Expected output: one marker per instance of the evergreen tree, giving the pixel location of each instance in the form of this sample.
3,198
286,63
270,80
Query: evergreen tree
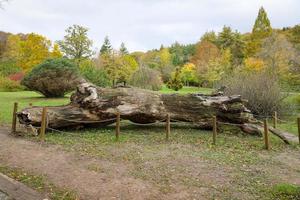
261,29
123,50
210,36
106,48
175,83
262,25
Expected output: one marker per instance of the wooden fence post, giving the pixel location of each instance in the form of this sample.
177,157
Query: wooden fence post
266,134
43,124
299,128
214,129
168,126
14,119
275,120
118,126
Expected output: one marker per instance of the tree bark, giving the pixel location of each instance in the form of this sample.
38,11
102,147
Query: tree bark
95,106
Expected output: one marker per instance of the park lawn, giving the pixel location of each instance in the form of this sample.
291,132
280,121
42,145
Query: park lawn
176,161
186,90
23,98
249,169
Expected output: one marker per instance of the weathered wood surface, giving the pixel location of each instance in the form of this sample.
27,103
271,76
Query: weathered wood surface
18,191
94,106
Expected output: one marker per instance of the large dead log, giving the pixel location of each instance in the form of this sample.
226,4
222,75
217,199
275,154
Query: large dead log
94,106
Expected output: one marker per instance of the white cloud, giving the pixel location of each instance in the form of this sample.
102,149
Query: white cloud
142,24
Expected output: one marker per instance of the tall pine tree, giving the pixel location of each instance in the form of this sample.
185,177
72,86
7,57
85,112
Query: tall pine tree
262,25
261,29
106,48
123,50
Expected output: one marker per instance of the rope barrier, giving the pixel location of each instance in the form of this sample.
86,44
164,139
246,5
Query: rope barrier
82,121
227,123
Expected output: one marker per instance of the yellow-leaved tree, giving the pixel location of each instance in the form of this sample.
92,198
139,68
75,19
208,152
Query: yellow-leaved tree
56,53
254,64
30,50
33,50
188,73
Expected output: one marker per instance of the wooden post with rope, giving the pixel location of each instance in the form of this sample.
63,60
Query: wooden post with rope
298,121
168,126
266,135
43,124
214,129
118,126
14,119
275,120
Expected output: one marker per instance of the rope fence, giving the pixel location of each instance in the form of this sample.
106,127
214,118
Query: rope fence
45,121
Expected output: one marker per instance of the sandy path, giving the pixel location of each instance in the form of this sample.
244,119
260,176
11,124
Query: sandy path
68,170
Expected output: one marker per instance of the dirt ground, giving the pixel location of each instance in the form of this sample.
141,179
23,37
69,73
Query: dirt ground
95,178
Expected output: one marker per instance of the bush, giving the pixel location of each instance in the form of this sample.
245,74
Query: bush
96,76
146,78
7,85
8,68
53,77
262,91
175,82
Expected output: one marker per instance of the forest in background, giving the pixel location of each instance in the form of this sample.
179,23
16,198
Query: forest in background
210,62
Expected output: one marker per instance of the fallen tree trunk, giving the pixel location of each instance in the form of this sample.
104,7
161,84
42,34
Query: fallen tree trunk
94,106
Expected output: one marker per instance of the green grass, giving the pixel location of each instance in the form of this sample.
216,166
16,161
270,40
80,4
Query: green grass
286,191
23,98
186,90
147,151
38,183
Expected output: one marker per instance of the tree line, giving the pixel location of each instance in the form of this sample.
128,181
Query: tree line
206,63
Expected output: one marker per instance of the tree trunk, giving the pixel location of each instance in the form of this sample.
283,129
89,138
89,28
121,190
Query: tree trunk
94,106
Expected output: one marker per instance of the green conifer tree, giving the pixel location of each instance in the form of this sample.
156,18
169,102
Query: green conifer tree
106,48
123,50
262,25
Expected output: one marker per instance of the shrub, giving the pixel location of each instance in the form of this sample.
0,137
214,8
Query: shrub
7,85
96,76
17,76
146,78
8,67
175,82
53,77
262,91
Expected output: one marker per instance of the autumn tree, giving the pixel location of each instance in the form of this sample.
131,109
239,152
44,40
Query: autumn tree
228,39
28,51
280,56
119,67
76,44
188,73
252,64
56,53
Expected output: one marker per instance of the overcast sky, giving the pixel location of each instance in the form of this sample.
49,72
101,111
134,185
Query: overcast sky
142,24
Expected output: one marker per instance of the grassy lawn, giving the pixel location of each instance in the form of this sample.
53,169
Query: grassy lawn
248,167
23,98
237,165
186,90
